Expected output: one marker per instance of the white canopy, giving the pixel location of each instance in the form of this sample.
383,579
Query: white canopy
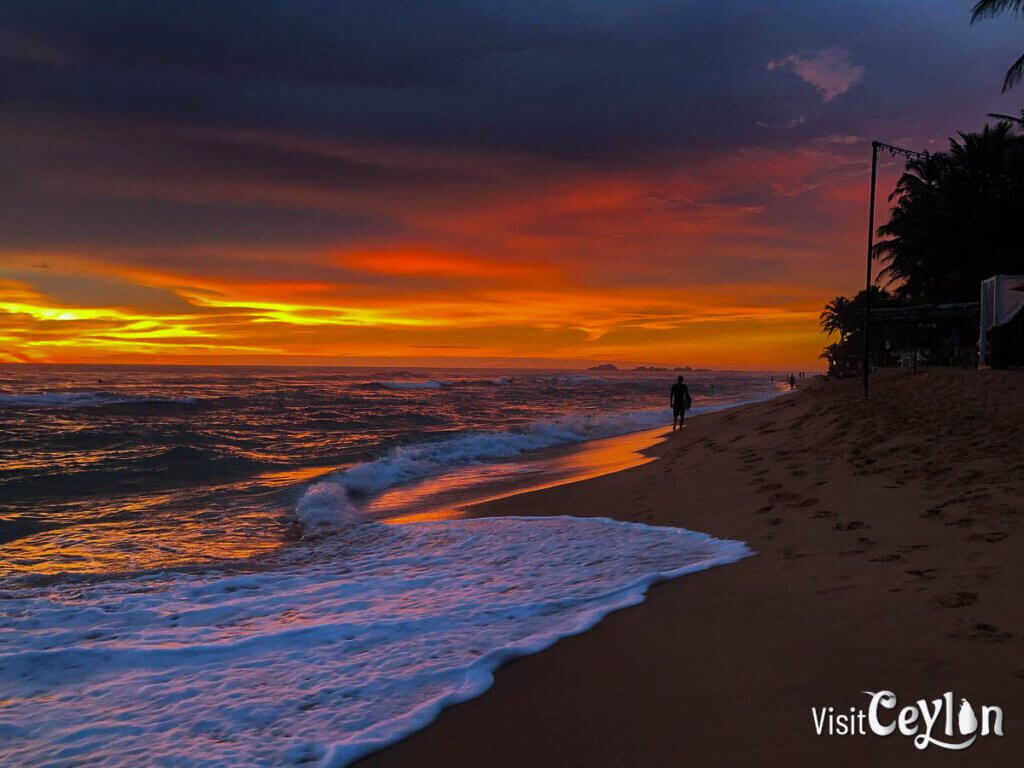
1002,297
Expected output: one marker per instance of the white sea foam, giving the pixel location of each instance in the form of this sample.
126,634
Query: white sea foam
419,460
577,378
325,508
441,383
337,648
411,462
79,399
429,384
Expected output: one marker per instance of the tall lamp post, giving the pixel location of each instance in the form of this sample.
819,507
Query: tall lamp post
908,153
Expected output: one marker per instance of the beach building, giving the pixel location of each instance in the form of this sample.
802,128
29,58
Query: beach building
1001,332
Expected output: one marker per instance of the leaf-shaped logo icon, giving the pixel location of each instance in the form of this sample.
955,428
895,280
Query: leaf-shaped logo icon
968,721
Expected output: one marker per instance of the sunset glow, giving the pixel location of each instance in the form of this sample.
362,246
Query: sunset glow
645,217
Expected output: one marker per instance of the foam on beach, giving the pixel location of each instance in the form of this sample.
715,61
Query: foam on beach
416,461
335,648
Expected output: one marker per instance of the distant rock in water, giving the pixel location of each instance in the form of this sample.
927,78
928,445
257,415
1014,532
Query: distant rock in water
604,367
685,368
649,368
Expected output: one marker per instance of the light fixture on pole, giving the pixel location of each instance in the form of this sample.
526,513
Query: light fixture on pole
908,153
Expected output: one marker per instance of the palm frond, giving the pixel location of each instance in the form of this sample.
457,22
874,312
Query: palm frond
986,8
1008,118
1014,74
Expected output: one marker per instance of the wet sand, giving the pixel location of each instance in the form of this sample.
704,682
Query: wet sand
891,556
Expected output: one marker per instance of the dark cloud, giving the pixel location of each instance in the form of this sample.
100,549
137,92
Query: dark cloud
578,79
47,218
155,93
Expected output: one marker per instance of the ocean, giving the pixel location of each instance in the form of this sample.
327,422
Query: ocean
266,566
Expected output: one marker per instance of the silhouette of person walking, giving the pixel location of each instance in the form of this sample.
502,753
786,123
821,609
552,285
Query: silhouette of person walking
792,381
680,401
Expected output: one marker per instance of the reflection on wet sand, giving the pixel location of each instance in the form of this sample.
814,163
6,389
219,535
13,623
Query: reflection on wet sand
451,495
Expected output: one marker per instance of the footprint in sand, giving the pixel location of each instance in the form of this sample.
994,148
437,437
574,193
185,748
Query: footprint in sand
959,600
783,497
821,513
991,537
989,632
853,525
906,548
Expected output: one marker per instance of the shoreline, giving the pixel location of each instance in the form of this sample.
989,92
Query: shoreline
459,491
888,558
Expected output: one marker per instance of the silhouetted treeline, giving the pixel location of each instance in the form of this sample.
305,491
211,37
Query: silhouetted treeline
844,317
956,219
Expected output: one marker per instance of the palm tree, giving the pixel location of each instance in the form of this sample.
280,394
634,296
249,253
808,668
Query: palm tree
845,316
835,317
954,218
1008,118
986,8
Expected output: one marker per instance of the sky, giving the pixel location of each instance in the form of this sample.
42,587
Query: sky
460,182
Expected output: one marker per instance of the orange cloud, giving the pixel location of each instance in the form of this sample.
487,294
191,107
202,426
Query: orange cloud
413,262
722,260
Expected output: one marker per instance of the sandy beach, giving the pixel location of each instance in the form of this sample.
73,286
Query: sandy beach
889,557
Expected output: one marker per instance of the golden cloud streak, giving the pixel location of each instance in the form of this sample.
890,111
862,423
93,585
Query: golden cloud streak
305,314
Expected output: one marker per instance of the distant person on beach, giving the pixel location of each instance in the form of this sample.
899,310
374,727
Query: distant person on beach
792,381
680,401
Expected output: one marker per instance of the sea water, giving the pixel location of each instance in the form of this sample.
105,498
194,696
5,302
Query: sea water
192,573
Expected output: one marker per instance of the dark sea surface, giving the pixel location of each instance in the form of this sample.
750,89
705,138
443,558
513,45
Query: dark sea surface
273,566
110,468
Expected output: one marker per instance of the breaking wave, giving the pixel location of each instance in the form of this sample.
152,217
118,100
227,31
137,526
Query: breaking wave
416,461
326,508
443,383
430,384
335,650
419,460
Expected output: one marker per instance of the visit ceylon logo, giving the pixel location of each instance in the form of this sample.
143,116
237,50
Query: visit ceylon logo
936,723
